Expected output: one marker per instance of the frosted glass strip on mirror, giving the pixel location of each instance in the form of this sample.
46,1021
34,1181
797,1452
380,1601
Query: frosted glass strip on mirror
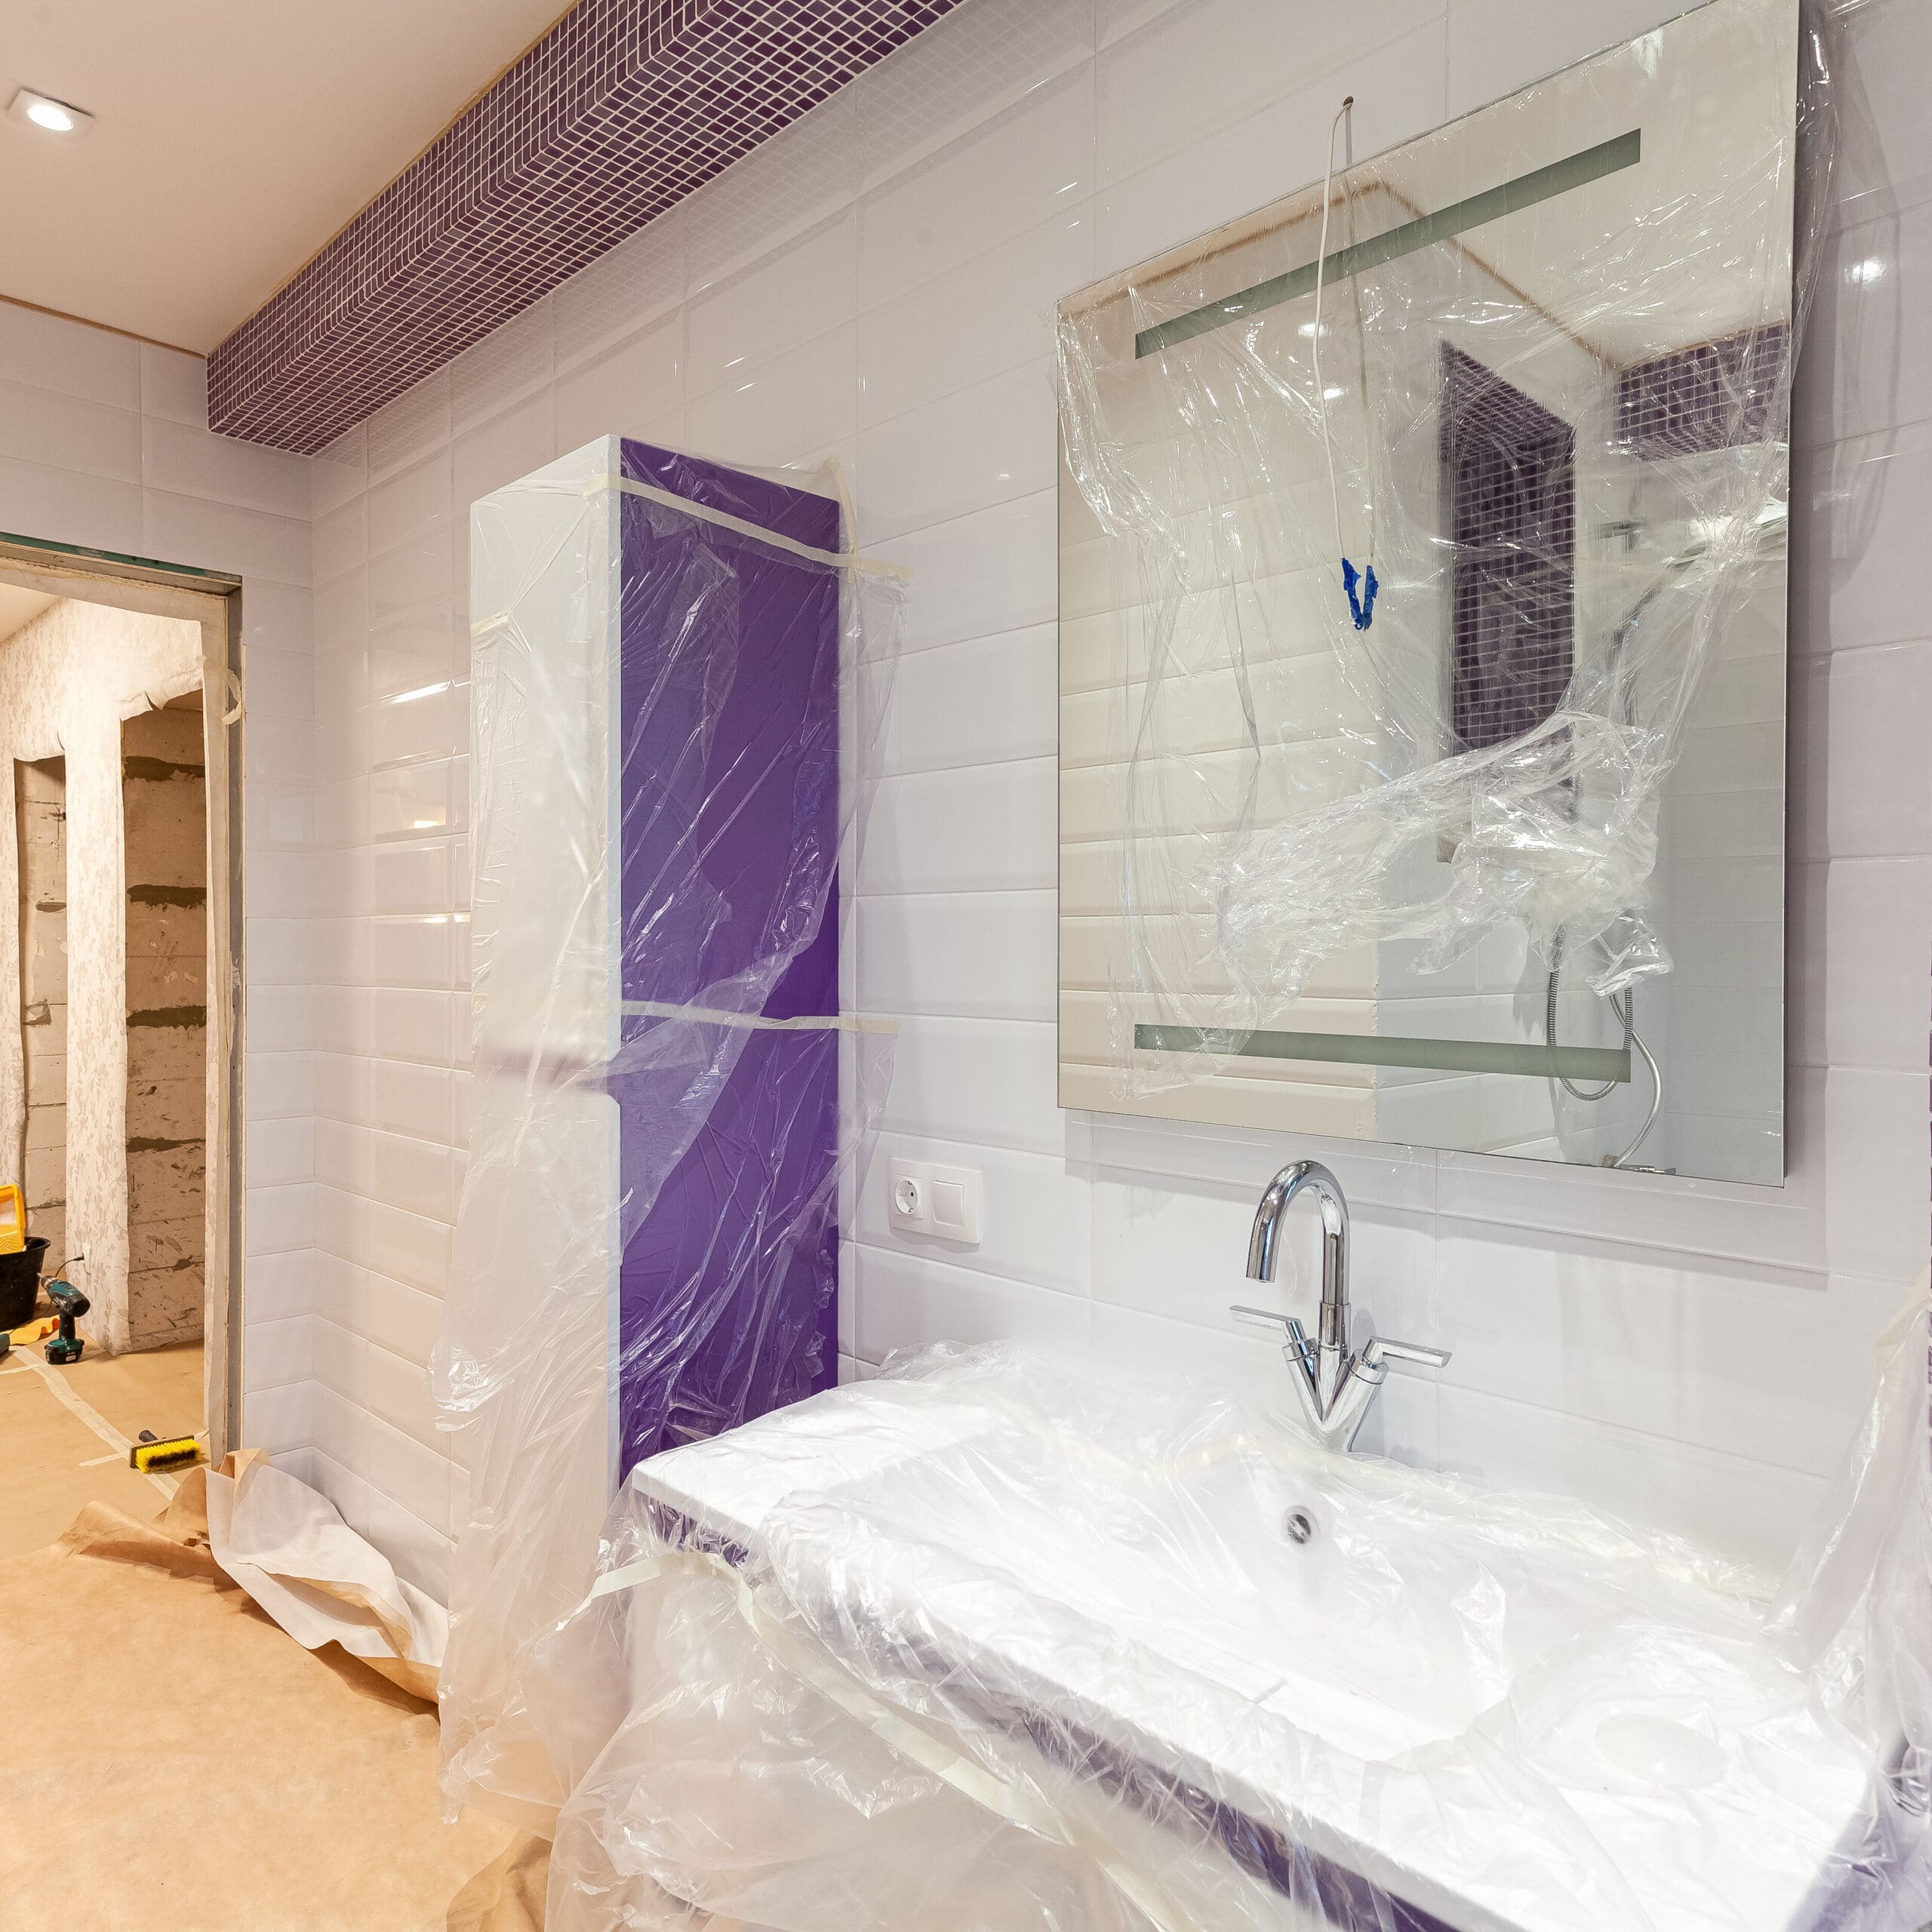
1592,1063
1540,184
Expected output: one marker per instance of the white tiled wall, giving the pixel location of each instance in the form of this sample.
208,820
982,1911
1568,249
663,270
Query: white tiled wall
104,442
878,281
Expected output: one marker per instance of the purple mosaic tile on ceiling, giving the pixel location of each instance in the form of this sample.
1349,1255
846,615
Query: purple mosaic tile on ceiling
621,110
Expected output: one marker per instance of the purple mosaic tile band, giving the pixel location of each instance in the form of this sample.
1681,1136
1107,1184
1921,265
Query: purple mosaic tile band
621,110
1712,397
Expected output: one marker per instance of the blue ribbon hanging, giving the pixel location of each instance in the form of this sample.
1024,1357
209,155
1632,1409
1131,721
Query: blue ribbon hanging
1363,606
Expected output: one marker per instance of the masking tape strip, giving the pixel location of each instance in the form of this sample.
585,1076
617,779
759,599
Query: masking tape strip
843,560
946,1761
757,1022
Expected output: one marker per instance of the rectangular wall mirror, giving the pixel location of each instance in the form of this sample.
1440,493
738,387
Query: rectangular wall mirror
1486,853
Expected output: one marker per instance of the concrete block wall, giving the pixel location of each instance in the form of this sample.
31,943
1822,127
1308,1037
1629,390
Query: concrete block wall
163,803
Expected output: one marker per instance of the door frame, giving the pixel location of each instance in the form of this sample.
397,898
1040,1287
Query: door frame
212,598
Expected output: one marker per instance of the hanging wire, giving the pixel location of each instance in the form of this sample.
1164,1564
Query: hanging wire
1361,603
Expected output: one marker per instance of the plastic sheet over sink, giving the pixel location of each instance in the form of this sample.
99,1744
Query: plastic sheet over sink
1004,1641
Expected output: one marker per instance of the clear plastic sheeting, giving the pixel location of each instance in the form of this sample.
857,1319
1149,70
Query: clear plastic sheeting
1533,371
679,674
999,1641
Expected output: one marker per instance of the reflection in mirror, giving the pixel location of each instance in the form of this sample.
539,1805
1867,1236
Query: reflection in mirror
1422,634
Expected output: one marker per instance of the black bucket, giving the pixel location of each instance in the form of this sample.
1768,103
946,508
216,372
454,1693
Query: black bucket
20,1282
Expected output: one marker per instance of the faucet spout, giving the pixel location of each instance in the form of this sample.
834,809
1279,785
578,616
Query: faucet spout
1264,1240
1335,1382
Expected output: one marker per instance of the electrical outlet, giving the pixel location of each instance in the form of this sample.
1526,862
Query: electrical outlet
923,1199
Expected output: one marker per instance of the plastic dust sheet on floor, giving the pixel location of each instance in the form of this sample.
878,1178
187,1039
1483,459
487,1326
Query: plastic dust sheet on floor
173,1758
1307,450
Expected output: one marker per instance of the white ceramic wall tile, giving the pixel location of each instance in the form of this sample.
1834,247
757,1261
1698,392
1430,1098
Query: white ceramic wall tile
906,1303
225,536
986,574
781,410
184,458
511,362
1497,46
990,313
972,955
498,451
757,316
976,63
48,426
1017,171
979,446
1173,86
1861,719
62,505
634,389
52,353
1863,370
987,828
988,1082
1857,505
174,385
802,175
978,702
878,282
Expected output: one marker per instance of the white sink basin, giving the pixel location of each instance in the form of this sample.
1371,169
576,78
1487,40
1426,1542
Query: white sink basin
1504,1711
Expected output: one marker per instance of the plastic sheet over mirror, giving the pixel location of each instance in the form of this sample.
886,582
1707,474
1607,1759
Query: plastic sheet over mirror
1428,499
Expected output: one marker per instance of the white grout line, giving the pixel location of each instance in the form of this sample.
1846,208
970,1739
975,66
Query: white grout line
96,1421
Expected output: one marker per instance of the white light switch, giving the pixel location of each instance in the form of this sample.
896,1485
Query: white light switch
923,1199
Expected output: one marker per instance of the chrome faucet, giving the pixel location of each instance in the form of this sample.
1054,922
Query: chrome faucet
1336,1383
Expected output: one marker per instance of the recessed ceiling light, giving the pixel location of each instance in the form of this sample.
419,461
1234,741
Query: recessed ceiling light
51,116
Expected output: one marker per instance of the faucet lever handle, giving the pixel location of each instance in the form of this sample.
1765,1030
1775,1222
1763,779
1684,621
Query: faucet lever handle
1260,1318
1381,1351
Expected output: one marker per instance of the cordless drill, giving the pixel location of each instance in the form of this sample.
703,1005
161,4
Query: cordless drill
68,1303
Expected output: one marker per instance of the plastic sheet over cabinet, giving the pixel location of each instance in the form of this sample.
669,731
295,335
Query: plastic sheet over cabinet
680,673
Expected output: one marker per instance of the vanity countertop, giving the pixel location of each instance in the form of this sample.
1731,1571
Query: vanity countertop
1505,1712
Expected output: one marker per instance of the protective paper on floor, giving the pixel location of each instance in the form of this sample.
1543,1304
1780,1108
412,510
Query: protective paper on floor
1565,504
1002,1642
288,1546
679,674
173,1759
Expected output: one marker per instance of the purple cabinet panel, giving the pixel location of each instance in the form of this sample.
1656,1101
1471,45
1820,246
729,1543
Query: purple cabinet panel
728,714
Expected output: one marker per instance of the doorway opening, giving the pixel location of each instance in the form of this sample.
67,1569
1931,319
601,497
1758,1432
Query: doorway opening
120,1079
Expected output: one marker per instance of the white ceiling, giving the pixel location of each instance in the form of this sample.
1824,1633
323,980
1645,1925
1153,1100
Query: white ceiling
232,138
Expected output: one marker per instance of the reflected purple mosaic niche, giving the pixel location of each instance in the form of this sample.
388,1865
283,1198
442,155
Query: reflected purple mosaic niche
1509,494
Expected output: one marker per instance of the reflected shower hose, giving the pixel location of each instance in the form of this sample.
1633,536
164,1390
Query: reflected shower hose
1624,1005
